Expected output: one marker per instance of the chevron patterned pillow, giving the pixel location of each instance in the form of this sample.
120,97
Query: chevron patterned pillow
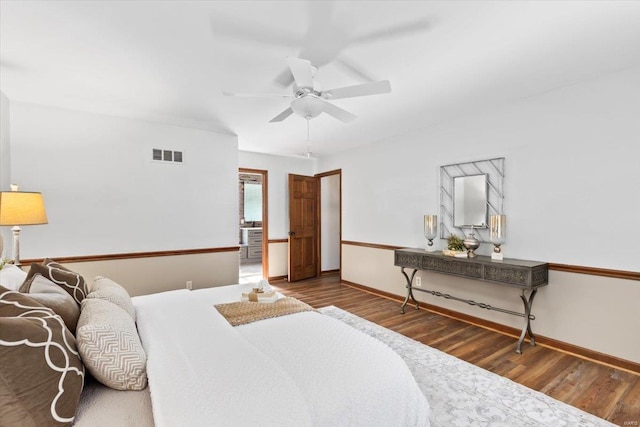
110,347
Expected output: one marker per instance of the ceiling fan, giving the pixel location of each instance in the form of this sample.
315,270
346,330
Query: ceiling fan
332,28
309,100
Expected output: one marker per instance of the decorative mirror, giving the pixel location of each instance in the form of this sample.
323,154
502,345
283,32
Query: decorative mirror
470,201
469,193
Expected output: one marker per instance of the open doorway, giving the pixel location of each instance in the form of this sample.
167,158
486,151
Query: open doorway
252,221
330,221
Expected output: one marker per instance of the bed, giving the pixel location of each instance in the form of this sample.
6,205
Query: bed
302,369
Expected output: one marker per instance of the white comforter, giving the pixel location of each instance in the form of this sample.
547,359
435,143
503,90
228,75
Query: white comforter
304,369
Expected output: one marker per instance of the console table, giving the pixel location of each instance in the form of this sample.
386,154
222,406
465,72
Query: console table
527,276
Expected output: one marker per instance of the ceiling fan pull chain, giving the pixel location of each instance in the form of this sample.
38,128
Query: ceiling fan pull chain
308,143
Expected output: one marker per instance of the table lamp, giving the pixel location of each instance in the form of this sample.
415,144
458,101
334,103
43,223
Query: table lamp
21,208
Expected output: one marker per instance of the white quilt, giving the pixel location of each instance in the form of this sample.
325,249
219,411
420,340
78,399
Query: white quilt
304,369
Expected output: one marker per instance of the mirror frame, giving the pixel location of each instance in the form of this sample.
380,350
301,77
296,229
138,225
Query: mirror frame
494,169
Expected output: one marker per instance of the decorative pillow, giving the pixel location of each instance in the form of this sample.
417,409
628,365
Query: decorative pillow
70,281
51,263
53,296
110,347
11,277
41,374
106,289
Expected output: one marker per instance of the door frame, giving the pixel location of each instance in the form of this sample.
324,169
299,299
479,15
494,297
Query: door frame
298,231
318,214
265,216
319,177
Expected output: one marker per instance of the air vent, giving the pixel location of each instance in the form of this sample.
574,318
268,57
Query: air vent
167,156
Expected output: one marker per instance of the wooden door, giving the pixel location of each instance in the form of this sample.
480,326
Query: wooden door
303,230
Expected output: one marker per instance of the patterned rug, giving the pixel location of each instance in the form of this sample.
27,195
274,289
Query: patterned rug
461,394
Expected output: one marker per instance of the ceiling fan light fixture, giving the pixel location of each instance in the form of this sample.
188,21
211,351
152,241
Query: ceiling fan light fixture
308,106
309,100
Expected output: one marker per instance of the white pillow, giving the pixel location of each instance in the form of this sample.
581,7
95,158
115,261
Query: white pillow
11,277
108,290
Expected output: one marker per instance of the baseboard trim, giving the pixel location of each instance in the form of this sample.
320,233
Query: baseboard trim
109,257
584,353
329,272
277,278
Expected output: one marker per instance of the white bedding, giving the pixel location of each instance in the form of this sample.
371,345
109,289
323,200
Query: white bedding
304,369
101,406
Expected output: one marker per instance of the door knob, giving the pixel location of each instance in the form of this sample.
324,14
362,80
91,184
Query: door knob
292,233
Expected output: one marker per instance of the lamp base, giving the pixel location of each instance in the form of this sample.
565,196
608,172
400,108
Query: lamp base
16,245
497,256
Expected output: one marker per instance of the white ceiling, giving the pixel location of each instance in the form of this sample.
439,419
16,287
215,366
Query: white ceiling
170,61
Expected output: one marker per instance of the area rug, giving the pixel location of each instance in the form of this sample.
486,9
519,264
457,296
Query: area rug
462,394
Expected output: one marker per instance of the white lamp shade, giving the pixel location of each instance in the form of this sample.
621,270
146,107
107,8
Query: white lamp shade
22,208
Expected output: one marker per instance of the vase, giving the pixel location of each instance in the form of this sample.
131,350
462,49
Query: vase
430,230
471,243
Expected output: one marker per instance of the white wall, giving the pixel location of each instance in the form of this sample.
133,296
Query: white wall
5,167
278,259
571,174
571,178
330,222
103,193
142,276
5,152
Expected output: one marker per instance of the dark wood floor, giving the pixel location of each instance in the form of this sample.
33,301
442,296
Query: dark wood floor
609,393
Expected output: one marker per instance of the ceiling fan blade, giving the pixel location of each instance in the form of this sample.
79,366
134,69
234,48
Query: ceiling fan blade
234,29
284,79
350,67
395,31
365,89
257,95
280,117
320,14
337,112
301,70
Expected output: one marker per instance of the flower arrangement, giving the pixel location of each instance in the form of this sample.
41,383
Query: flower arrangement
454,243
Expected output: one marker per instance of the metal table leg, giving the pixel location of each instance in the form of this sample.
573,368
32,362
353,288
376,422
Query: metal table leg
409,290
527,320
